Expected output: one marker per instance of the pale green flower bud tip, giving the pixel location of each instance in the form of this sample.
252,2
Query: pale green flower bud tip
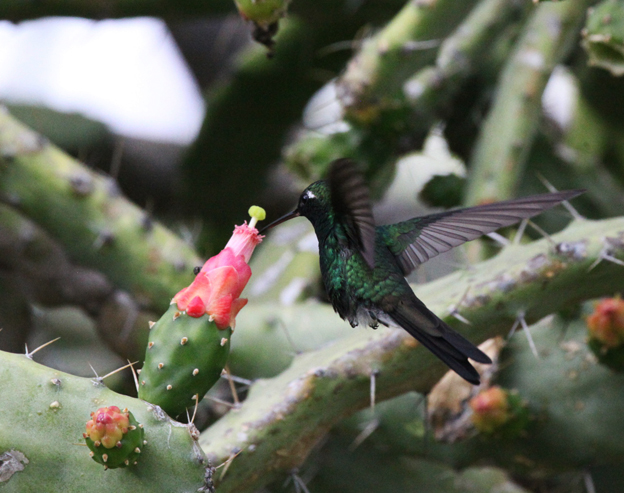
257,213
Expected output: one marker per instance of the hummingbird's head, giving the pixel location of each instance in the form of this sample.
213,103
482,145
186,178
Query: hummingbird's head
314,203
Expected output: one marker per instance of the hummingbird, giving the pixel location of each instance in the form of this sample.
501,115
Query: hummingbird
363,266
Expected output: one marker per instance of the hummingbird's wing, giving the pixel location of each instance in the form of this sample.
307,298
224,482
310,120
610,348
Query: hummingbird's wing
351,203
452,348
416,240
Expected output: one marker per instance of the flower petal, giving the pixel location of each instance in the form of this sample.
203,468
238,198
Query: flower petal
196,308
219,309
223,280
237,304
199,287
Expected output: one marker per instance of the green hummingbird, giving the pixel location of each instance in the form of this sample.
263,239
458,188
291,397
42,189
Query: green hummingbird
363,266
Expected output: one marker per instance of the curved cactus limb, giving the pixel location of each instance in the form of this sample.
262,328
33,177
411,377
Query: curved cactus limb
47,411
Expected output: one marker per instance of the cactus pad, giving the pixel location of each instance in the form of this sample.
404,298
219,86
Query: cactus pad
184,359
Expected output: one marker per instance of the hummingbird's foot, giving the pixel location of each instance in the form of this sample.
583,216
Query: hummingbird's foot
354,323
374,321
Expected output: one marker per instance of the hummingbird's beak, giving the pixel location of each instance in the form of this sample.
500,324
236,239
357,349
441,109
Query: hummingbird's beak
282,219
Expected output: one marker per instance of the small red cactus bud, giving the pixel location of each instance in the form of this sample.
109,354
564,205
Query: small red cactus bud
107,425
490,409
606,324
606,332
115,431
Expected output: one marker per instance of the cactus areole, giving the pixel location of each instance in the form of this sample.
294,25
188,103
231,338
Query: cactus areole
114,437
188,347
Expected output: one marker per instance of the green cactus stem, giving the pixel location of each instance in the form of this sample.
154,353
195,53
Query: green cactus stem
506,138
48,277
86,213
184,358
43,418
114,437
603,36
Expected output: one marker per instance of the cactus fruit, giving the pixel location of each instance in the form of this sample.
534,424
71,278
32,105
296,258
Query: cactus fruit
188,347
603,36
497,411
606,332
114,437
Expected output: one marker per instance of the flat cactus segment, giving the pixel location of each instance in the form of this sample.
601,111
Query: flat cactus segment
604,36
184,358
47,410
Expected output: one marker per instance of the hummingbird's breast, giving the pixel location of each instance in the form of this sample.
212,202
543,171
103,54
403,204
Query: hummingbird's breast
354,289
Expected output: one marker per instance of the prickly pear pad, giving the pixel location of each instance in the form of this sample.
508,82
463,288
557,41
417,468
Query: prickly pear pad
114,437
184,358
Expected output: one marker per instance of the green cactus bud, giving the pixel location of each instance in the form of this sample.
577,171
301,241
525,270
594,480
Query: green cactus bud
114,437
184,359
603,36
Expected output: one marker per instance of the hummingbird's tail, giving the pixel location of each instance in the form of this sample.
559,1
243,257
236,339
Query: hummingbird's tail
441,340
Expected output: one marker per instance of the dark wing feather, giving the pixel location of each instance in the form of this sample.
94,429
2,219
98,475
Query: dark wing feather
351,203
416,240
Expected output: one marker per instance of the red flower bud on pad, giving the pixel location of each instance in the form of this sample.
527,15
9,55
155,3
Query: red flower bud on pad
217,288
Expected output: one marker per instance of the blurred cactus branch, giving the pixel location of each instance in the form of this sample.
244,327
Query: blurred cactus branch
406,44
284,417
47,277
507,135
402,104
460,56
85,212
17,10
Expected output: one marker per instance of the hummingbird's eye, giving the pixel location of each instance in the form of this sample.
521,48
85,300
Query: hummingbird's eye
306,197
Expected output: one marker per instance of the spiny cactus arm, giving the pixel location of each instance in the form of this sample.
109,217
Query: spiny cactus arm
425,93
572,402
603,36
44,412
284,417
87,214
377,72
460,55
507,135
16,10
47,277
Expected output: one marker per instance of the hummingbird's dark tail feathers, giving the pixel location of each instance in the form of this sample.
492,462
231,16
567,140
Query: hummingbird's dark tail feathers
453,349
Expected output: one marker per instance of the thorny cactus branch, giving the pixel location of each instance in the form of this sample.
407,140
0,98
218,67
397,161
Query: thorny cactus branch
16,10
422,93
87,214
460,56
44,412
47,276
507,135
284,417
377,72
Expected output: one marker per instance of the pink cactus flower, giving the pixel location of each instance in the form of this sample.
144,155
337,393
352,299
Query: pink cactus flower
217,288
